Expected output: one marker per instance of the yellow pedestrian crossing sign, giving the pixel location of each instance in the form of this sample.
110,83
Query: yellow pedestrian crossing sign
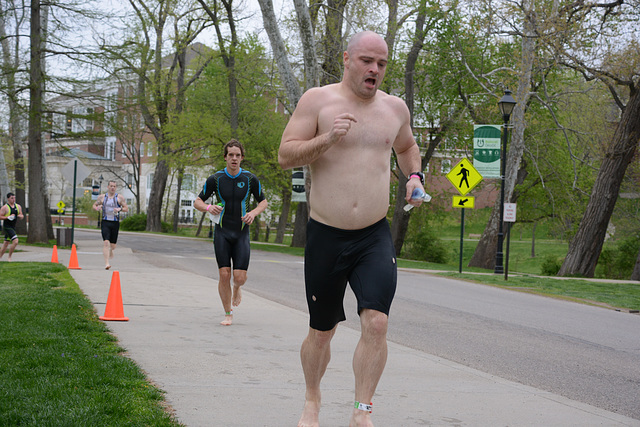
464,202
464,176
60,206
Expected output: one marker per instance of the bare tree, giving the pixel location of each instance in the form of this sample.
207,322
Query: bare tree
619,70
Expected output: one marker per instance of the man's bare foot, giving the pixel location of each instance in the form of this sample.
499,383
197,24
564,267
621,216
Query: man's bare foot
360,418
107,267
237,296
228,319
310,415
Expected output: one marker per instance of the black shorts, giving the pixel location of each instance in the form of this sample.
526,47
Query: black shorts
365,258
110,230
232,246
10,234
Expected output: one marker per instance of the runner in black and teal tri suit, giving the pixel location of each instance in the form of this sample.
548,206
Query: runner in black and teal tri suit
233,188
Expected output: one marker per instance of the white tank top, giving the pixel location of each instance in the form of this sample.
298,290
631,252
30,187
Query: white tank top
108,205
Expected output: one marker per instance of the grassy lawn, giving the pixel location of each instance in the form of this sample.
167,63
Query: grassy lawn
59,365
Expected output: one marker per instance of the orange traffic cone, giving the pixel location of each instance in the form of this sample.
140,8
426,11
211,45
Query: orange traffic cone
73,261
114,309
54,255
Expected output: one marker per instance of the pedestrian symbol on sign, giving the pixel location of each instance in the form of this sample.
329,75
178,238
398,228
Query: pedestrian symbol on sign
464,177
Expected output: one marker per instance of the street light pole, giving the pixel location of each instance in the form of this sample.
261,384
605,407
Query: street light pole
506,104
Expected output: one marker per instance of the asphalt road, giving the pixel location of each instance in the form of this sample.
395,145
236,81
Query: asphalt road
585,353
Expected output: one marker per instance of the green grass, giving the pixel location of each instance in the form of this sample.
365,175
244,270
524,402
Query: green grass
605,294
59,365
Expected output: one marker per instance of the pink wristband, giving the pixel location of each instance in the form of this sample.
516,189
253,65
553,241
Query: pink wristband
208,206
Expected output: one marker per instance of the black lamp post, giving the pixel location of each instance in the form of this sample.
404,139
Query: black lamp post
100,191
506,105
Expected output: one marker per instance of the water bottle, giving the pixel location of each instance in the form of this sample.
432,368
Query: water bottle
417,194
216,218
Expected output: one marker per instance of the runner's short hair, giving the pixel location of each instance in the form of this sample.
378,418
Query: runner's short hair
233,143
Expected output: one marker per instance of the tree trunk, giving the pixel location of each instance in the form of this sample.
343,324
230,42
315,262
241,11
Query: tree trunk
585,247
292,88
284,215
332,42
299,231
484,255
154,210
176,207
311,73
287,76
533,240
37,221
636,270
400,222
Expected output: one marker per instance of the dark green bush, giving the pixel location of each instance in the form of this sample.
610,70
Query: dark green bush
618,262
550,266
137,222
425,246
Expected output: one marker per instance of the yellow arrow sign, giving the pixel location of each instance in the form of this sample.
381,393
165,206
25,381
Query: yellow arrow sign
464,176
464,202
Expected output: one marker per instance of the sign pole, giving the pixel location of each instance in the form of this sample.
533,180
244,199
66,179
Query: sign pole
506,260
461,239
73,206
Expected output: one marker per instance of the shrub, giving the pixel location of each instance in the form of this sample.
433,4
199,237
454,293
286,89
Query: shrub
550,266
137,222
618,262
425,246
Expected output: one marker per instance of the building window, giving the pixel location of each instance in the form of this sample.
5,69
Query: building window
88,121
186,203
149,181
187,182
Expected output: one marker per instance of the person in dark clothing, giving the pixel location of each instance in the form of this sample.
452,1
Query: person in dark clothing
10,213
232,187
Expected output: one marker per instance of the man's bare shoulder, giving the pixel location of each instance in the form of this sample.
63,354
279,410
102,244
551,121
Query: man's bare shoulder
314,93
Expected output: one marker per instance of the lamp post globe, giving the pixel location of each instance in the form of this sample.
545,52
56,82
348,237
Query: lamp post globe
506,104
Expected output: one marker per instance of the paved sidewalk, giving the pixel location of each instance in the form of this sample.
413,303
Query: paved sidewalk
249,374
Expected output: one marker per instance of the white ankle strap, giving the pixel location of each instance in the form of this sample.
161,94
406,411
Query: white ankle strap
364,406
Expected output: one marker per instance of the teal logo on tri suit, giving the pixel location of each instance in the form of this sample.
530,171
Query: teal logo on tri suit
241,185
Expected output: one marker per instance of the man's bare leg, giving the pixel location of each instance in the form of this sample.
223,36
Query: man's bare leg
111,249
12,248
315,355
369,360
4,248
106,252
224,290
239,279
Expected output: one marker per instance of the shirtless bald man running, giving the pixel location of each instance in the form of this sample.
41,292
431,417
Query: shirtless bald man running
345,132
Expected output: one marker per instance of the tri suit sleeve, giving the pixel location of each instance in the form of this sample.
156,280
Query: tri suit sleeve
256,189
209,188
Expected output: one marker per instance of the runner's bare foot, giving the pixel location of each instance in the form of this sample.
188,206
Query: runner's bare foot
360,419
310,415
237,296
107,267
228,319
